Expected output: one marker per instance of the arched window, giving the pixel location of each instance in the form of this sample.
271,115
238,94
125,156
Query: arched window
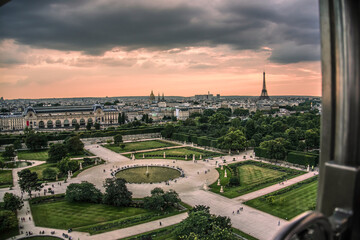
66,123
58,123
73,122
50,124
90,121
41,124
82,122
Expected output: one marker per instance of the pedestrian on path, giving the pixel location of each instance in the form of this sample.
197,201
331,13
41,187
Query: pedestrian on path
279,223
160,223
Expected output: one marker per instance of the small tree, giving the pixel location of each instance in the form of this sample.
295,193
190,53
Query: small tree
116,192
35,141
97,126
160,200
118,139
83,192
122,146
88,126
17,144
234,181
74,145
9,153
49,174
57,152
66,165
77,127
8,220
28,181
12,202
203,225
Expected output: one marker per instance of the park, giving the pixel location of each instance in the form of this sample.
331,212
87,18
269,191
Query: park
153,168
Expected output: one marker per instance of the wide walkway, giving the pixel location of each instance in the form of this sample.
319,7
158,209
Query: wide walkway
190,188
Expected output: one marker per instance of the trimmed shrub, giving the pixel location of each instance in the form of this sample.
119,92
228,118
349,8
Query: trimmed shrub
303,158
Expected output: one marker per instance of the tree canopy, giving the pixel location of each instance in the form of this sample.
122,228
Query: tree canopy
28,181
200,224
57,152
83,192
116,193
160,200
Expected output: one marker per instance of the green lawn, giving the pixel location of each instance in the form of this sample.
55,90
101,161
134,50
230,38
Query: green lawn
42,238
40,168
40,155
289,202
136,146
156,174
6,179
92,218
176,153
253,176
64,215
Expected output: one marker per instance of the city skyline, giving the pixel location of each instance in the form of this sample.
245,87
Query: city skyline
108,48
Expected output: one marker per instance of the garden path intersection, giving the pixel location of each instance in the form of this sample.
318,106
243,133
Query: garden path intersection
190,188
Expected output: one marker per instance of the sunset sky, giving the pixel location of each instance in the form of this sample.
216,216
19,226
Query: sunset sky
109,48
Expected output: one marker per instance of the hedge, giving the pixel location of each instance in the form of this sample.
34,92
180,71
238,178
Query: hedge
9,139
261,152
202,141
303,158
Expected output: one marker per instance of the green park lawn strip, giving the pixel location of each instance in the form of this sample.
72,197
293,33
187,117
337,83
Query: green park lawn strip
42,238
6,179
40,155
92,218
242,234
40,168
137,146
253,176
289,202
155,174
176,153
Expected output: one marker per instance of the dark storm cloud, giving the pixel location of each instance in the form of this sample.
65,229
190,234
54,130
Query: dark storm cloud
96,26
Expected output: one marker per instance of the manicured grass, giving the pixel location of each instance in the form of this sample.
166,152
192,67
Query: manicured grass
65,215
156,174
42,238
177,153
253,176
92,218
40,168
242,234
288,202
40,155
165,233
136,146
6,179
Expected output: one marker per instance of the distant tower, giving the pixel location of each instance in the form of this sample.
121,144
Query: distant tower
159,97
163,98
264,95
152,96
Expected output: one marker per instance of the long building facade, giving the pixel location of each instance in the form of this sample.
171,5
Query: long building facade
59,117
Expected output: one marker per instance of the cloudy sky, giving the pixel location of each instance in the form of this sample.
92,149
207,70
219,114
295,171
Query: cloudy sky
68,48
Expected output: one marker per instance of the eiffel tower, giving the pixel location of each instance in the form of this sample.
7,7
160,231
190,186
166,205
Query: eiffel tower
264,95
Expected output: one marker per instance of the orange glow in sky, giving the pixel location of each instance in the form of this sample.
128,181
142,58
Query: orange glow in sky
177,72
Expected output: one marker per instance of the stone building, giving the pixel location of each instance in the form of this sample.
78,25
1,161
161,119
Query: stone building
59,117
